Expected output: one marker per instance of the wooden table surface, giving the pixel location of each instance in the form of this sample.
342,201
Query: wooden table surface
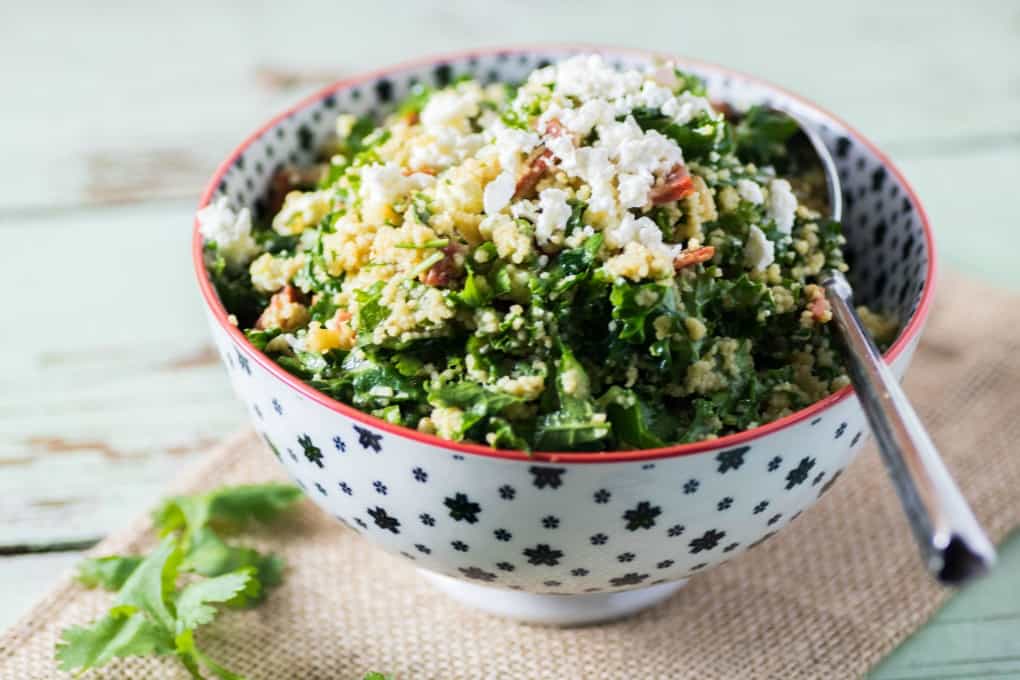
113,118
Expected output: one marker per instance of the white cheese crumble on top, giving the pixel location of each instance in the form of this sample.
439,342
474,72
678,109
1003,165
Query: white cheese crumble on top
553,218
498,192
782,204
384,184
759,251
644,231
750,191
230,231
451,108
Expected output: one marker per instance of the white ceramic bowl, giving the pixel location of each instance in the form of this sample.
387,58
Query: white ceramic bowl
512,533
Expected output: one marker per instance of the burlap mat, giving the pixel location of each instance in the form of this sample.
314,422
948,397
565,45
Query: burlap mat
345,608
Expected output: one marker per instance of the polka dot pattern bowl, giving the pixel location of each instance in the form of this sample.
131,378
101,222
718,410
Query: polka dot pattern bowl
585,525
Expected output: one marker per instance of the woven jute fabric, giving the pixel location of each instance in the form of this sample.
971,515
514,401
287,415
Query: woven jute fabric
827,598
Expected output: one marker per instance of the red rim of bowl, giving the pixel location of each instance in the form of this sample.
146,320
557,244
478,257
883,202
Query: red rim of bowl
219,312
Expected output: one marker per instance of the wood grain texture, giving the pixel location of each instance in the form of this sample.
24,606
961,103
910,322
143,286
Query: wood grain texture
109,385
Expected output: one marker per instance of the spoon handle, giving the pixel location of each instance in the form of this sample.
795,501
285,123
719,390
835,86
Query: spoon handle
953,545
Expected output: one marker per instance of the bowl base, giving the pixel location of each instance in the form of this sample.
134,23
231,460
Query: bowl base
553,610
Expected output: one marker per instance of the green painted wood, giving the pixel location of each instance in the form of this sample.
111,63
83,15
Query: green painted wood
918,75
108,385
976,634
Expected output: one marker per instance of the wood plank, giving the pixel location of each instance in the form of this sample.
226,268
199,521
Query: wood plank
141,131
116,387
26,578
973,635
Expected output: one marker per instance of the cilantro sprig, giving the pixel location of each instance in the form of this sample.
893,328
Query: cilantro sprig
164,597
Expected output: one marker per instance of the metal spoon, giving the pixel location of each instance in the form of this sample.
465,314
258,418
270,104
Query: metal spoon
953,545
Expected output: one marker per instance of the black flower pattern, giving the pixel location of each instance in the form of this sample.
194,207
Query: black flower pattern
408,555
642,516
648,466
840,431
543,477
462,508
423,549
665,564
321,489
243,361
707,541
312,452
818,478
816,421
828,485
272,446
427,519
290,452
346,488
731,459
551,584
602,496
459,546
580,571
691,486
699,566
420,475
775,463
505,566
631,579
277,406
731,547
724,504
383,520
370,441
550,522
625,557
340,444
775,518
761,540
598,539
760,508
857,438
502,535
800,473
675,530
542,554
507,492
380,488
477,574
258,411
360,522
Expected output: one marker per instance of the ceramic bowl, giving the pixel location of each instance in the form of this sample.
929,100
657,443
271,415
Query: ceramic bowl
567,538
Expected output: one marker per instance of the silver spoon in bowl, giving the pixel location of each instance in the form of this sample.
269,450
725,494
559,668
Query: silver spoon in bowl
953,545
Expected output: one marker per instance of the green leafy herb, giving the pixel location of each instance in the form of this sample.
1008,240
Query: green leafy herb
156,611
762,135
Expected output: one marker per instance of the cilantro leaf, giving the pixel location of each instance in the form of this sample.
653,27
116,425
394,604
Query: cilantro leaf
124,631
151,584
194,604
107,572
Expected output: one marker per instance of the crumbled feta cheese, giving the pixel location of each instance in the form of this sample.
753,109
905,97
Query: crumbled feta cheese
450,108
750,191
498,192
230,231
759,252
552,220
384,184
782,204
